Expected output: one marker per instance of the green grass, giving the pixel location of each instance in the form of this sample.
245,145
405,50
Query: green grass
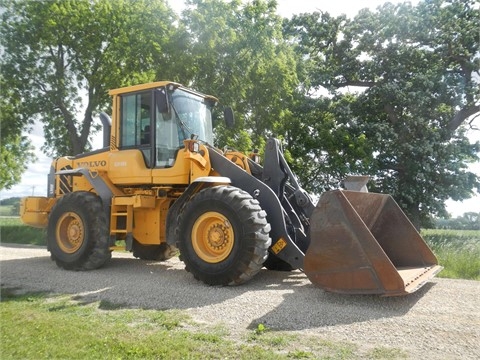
57,327
8,210
458,251
12,230
43,326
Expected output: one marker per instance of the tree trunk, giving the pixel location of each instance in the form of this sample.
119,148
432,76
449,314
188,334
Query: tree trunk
413,213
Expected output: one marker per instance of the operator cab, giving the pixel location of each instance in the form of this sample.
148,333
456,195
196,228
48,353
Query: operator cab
157,120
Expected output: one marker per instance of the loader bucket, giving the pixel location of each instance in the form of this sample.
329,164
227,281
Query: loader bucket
362,243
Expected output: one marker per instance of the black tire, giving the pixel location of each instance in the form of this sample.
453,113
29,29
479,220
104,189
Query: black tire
78,234
160,252
223,236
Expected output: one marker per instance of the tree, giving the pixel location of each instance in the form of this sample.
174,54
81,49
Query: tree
468,221
415,68
61,57
16,150
13,205
238,53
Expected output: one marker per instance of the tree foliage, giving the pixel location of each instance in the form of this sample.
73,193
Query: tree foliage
413,69
237,52
16,150
468,221
61,57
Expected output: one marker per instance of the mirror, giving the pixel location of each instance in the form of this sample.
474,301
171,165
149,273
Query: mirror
161,101
228,116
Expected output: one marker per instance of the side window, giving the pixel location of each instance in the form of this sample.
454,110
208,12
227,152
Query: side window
136,119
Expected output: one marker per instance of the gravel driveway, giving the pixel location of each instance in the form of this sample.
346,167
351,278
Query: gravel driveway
440,321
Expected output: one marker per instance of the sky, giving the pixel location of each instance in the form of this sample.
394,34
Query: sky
34,180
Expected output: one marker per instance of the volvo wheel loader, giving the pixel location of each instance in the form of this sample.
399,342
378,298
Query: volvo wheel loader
159,185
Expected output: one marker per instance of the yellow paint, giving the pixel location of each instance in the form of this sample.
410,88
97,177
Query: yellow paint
279,246
34,210
212,237
70,232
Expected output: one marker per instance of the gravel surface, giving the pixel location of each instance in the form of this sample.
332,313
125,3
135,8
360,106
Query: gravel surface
440,321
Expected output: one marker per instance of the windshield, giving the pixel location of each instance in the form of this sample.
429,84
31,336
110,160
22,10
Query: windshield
189,114
193,116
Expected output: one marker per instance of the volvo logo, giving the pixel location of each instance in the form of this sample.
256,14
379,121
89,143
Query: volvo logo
91,164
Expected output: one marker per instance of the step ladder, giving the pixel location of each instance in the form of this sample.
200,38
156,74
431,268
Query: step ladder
122,207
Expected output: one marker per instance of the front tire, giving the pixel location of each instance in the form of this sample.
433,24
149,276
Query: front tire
223,236
78,234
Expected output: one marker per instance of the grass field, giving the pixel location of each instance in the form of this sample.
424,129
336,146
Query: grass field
12,230
41,326
8,210
458,251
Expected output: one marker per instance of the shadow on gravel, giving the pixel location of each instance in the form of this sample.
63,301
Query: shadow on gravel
311,307
131,283
123,283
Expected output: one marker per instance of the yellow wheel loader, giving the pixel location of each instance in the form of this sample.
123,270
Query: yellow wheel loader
159,185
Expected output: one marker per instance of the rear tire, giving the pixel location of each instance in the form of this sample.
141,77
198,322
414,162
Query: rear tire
78,234
223,236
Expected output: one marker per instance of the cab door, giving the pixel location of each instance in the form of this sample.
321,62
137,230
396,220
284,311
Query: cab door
133,163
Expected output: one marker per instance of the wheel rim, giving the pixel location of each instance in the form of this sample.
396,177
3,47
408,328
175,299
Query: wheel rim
70,232
212,237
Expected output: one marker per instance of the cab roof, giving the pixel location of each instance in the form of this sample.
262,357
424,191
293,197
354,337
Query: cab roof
153,85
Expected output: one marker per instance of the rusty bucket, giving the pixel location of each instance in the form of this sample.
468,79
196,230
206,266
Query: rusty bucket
363,243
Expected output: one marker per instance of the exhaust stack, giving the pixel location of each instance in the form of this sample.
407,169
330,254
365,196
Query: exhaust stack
107,128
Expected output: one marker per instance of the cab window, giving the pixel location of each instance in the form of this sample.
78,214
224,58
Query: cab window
136,123
136,119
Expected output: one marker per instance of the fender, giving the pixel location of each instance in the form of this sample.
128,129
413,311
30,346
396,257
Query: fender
282,244
103,187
